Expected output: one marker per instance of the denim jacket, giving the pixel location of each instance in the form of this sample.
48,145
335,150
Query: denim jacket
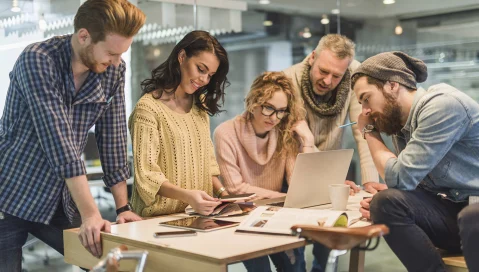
438,148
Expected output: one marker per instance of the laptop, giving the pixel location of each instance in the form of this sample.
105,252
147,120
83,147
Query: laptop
312,175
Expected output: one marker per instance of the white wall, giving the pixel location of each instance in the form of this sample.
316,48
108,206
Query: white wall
8,56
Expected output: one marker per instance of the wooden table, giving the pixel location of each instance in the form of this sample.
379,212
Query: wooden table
208,251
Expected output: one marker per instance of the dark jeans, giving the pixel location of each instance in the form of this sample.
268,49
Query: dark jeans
14,232
468,221
281,261
321,254
420,221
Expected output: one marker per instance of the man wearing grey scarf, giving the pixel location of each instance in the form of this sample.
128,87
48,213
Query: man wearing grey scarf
435,169
322,80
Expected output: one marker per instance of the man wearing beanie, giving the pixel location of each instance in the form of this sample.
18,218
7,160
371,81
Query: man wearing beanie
435,168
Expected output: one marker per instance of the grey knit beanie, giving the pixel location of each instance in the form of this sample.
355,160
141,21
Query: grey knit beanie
394,66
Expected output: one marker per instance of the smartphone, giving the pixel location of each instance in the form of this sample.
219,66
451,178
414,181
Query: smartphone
231,198
166,234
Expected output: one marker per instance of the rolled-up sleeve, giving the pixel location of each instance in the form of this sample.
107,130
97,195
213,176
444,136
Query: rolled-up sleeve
442,120
111,135
37,79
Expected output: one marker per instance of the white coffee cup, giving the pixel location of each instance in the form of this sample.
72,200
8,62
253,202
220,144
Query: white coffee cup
339,194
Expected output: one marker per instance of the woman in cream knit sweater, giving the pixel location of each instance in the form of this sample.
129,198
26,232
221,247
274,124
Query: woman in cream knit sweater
174,160
256,150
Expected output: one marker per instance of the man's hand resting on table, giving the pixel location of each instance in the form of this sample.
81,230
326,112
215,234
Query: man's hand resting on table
90,233
373,188
365,208
127,216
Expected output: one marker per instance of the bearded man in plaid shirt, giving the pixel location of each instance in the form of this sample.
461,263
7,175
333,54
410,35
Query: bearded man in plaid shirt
59,89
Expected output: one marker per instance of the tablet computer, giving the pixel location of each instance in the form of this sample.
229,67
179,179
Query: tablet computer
233,198
199,223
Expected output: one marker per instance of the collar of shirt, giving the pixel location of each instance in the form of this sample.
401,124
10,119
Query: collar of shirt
419,93
91,91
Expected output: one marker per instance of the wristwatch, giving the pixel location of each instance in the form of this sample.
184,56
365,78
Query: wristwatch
368,128
125,208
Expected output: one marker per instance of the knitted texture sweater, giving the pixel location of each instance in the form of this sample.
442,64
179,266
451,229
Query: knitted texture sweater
248,163
327,134
169,147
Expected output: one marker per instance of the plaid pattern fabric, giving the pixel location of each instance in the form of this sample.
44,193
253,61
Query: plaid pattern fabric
44,128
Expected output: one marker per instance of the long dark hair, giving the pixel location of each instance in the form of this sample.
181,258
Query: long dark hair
167,76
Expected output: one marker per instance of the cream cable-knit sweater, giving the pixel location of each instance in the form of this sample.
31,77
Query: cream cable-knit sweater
247,162
327,134
169,147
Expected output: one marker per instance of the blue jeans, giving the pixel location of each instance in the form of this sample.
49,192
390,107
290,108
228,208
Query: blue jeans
280,260
420,222
14,232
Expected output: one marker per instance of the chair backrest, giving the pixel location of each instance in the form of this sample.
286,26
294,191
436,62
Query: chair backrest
338,237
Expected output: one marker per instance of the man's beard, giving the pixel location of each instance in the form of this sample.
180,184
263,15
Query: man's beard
388,122
86,57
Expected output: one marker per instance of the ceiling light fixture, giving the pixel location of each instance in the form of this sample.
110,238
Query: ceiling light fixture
325,20
389,2
15,7
398,29
267,23
335,11
264,2
306,33
42,24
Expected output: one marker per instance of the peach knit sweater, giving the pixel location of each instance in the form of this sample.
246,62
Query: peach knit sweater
169,147
247,162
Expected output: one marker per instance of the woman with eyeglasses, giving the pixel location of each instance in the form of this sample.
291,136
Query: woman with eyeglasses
174,159
256,150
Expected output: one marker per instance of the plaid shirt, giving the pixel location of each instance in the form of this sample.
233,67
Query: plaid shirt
44,128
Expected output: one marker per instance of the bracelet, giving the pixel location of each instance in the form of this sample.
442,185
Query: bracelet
220,191
308,146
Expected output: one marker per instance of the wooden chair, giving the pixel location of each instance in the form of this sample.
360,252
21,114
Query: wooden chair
340,239
110,263
454,262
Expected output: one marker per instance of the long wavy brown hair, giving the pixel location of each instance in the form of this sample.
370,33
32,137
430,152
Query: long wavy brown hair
167,76
262,90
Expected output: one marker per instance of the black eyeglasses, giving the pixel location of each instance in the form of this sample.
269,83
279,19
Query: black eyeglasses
268,111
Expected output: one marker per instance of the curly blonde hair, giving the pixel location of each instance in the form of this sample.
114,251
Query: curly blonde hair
262,90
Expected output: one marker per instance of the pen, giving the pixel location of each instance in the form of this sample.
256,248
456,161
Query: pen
347,125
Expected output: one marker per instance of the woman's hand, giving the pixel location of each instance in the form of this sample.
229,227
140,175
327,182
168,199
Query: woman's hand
201,202
303,132
353,187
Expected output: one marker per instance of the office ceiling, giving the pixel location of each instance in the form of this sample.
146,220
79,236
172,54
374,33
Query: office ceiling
367,8
349,8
